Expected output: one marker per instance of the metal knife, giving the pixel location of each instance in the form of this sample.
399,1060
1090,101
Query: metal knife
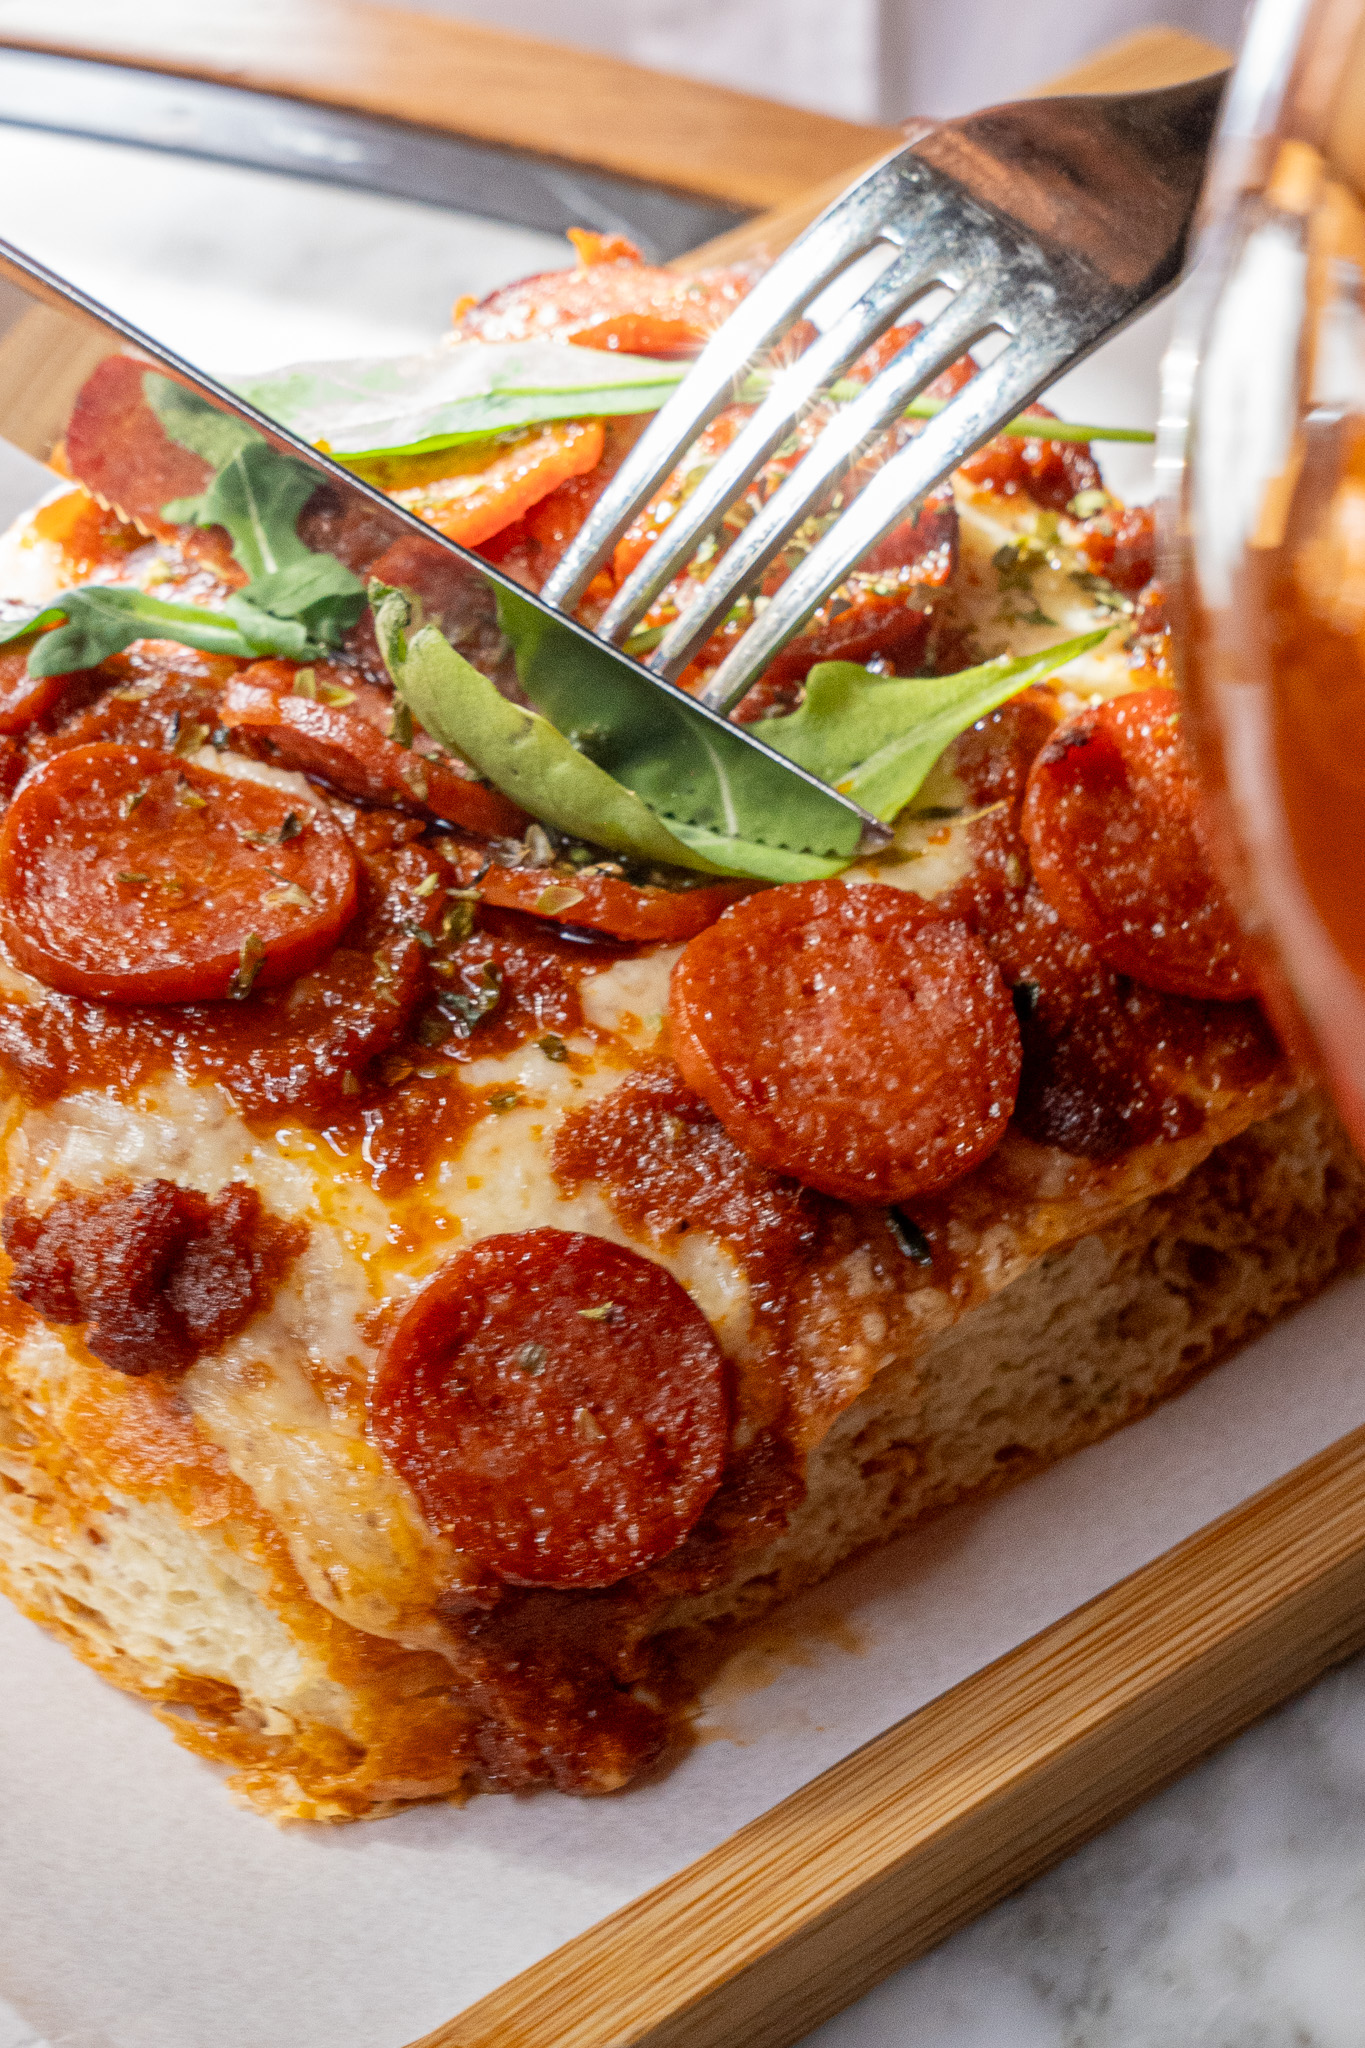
695,766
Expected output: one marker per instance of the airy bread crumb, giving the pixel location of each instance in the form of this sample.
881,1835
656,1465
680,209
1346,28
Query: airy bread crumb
208,1617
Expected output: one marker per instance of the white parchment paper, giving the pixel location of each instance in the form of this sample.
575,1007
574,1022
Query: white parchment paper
139,1908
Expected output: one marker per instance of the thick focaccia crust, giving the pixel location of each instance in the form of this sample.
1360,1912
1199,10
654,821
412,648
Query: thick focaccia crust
229,1540
123,1531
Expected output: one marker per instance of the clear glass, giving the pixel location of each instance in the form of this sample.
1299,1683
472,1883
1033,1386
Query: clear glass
1265,449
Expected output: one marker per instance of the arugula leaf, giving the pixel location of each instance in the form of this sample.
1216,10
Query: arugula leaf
520,752
258,496
688,767
749,857
194,423
876,737
98,620
456,392
320,593
1025,426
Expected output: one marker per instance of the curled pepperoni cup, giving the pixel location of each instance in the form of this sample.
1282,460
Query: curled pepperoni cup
132,877
849,1036
558,1406
346,745
1111,823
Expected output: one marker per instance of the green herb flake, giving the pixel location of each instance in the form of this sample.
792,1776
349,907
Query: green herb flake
428,887
502,1099
132,876
910,1239
189,736
190,799
250,961
553,1048
477,1000
531,1359
400,725
457,921
305,684
557,898
129,803
602,1313
1087,504
288,828
292,893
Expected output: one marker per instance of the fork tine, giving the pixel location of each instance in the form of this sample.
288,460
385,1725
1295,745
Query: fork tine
835,351
945,339
985,405
842,232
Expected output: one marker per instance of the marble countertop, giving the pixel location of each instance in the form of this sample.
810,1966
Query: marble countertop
1229,1912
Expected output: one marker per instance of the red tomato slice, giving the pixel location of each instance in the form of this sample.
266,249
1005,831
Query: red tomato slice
473,505
849,1036
132,877
342,745
630,306
1111,820
558,1406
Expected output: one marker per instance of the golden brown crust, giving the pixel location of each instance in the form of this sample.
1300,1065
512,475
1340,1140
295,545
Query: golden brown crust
319,1720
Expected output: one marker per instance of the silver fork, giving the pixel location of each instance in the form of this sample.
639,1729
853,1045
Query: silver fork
1050,223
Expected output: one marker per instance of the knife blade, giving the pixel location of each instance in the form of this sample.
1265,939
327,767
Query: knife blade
693,765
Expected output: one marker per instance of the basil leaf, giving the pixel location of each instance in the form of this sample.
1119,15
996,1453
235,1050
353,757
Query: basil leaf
194,423
457,392
876,737
520,752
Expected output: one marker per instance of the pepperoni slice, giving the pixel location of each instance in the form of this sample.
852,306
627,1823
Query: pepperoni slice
131,876
602,903
1111,820
849,1036
343,744
558,1406
24,697
118,449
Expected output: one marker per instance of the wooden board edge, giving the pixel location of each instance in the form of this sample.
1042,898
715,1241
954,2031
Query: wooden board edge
462,78
1153,57
915,1834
